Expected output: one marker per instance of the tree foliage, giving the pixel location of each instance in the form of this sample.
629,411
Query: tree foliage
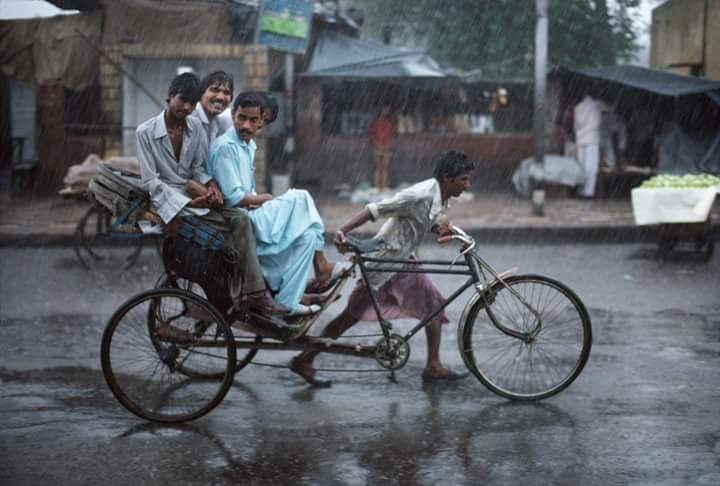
498,36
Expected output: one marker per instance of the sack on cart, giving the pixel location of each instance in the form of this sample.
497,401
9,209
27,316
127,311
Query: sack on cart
121,192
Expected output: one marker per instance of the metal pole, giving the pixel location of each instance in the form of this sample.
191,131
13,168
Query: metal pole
289,148
537,175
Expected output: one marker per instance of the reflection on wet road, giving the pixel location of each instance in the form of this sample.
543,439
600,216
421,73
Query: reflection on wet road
644,411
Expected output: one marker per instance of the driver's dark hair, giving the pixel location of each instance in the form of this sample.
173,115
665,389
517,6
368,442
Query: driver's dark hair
186,85
248,99
452,163
219,78
270,106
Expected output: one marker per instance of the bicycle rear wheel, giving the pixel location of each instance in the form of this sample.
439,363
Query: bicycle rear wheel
98,249
244,356
545,358
150,344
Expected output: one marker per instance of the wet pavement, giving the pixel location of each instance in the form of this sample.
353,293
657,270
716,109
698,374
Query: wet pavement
644,410
496,216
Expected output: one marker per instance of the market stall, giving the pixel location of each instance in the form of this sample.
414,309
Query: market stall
657,122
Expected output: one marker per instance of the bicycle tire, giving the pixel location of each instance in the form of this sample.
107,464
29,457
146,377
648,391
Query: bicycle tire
512,367
97,249
146,379
243,358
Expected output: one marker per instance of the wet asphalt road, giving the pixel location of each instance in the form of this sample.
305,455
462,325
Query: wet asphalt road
644,411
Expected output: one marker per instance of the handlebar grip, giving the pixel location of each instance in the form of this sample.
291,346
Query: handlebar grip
445,239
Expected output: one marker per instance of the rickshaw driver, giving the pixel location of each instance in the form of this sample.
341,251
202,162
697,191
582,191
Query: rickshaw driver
172,149
411,213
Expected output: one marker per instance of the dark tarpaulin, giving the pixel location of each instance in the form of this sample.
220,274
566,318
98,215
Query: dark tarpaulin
655,81
51,50
665,84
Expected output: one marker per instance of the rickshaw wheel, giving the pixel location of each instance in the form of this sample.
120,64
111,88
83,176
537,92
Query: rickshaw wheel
147,366
244,356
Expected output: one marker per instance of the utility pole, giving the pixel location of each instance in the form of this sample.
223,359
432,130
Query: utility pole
537,174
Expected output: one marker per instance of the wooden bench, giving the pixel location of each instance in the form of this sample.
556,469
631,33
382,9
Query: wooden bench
613,182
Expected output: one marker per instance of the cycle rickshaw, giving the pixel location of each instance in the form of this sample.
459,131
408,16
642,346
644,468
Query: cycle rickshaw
171,353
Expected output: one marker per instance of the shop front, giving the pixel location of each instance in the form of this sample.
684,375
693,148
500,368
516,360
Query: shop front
350,81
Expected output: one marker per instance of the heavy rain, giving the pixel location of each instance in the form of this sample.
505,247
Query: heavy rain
359,242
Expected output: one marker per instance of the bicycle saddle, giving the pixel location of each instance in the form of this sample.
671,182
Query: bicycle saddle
363,246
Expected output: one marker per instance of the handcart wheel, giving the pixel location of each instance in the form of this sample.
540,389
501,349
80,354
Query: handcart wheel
244,356
544,356
709,249
99,248
149,347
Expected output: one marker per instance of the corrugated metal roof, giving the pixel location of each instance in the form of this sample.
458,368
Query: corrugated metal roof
339,56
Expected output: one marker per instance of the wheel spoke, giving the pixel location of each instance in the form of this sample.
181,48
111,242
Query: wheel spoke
544,364
155,378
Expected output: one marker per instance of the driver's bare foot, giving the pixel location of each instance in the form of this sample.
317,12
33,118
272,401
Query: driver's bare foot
307,372
440,373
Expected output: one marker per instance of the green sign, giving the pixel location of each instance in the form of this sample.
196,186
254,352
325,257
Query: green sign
285,24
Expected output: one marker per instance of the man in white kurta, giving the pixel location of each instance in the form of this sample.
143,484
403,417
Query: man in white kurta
288,229
587,118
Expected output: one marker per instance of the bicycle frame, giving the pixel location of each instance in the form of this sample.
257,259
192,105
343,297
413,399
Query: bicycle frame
474,264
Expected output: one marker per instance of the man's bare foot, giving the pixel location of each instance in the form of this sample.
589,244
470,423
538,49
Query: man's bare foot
323,275
325,279
307,372
440,374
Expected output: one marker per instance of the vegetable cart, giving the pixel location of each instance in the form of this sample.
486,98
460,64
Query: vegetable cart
682,214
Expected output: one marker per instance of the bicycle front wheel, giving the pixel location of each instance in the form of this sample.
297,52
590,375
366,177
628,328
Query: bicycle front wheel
521,354
150,344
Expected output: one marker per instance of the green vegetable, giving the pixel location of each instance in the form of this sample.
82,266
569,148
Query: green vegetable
685,181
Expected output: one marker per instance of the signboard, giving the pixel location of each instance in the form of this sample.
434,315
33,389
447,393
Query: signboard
285,24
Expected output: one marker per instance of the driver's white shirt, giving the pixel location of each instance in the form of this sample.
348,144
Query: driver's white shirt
412,212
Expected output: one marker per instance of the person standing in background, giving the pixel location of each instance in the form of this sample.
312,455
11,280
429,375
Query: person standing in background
586,122
382,132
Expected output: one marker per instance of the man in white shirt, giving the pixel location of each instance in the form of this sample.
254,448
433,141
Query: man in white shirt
587,118
172,149
212,109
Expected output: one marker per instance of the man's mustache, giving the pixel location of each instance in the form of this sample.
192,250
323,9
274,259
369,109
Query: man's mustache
246,131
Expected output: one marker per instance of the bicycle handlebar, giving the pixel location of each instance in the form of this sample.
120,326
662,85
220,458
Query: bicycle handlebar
457,234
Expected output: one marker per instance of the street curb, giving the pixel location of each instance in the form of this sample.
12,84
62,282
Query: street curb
559,234
504,235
